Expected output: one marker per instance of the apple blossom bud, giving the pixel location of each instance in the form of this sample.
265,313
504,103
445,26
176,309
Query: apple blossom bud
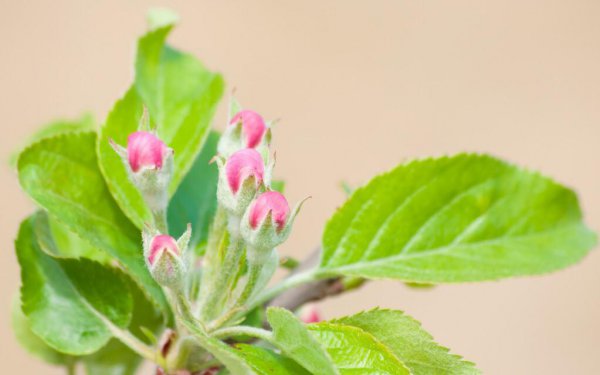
163,256
273,203
246,129
253,127
149,163
239,180
309,314
145,149
267,223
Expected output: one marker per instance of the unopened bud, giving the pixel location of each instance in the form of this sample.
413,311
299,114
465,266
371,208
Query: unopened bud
239,180
253,127
247,129
149,163
267,223
163,256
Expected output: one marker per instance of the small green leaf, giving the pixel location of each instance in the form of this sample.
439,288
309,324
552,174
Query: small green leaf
296,342
84,123
72,305
405,337
452,219
31,342
181,95
355,351
161,17
57,240
61,174
267,362
122,120
195,200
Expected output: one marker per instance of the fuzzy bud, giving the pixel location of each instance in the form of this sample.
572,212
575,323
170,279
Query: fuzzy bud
163,256
267,223
149,164
239,180
246,129
309,314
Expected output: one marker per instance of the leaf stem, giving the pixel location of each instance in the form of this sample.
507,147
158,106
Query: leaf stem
137,345
259,333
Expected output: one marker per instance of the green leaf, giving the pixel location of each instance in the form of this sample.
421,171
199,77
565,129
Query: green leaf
462,218
58,241
31,342
122,120
181,95
296,342
61,174
74,306
405,337
195,201
84,123
355,351
267,362
114,358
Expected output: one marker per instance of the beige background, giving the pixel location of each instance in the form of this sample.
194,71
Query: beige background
359,86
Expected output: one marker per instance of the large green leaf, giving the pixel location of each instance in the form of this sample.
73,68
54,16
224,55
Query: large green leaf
84,123
296,342
73,305
355,351
59,241
195,200
405,337
31,342
266,362
462,218
61,174
114,358
181,96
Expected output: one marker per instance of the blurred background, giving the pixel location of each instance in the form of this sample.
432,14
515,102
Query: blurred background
359,86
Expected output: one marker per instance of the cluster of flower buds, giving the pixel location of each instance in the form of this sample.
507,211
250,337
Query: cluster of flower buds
149,164
164,256
244,191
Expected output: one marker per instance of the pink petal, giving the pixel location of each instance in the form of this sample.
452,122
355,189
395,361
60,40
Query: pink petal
161,243
243,164
274,202
144,149
253,126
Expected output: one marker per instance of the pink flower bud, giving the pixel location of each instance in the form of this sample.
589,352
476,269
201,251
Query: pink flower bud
243,164
144,149
273,202
253,126
160,244
310,314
